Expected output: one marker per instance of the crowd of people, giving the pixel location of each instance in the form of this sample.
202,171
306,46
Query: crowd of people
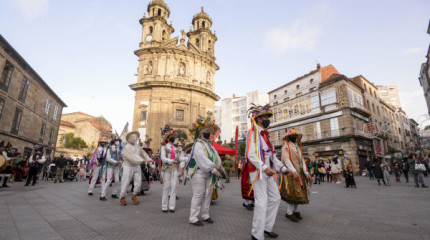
265,179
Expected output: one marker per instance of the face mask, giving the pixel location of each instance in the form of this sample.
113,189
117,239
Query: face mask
293,139
206,135
117,143
172,139
265,123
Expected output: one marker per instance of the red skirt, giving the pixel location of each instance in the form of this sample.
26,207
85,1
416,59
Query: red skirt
246,184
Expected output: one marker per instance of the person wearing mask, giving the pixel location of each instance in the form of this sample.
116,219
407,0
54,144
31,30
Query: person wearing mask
294,187
170,159
36,161
205,170
132,156
97,163
263,175
112,164
416,172
405,169
60,163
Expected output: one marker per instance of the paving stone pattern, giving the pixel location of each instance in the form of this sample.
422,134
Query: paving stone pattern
65,211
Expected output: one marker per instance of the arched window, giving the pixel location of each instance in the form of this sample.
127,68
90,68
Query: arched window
365,88
311,81
203,24
164,35
153,11
209,45
285,91
159,12
298,86
274,96
198,42
151,29
198,24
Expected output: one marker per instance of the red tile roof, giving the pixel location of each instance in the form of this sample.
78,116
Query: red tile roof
67,124
327,71
102,129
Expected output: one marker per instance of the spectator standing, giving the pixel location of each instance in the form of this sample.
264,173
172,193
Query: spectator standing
35,162
323,171
386,172
370,169
405,169
60,163
336,169
328,171
377,170
397,171
416,173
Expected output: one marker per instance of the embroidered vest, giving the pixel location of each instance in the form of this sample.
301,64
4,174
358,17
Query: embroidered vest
115,156
166,166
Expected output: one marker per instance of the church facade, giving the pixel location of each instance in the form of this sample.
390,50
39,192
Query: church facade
176,76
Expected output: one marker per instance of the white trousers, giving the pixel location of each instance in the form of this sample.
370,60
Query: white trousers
170,182
267,199
95,175
127,173
107,179
201,201
292,208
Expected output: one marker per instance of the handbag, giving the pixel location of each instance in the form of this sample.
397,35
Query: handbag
420,167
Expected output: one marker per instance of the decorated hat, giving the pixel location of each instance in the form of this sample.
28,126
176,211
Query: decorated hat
39,149
292,132
103,139
112,142
187,148
167,132
257,111
131,133
201,124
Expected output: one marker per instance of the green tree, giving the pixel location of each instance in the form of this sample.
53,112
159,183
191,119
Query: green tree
241,149
74,143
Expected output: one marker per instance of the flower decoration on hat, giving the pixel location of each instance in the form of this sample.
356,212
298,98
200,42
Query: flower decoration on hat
202,124
292,132
166,132
257,111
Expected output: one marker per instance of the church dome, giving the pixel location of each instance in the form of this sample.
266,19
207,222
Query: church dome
201,15
159,3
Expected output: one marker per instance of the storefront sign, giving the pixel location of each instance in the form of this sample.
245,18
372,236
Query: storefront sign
362,153
328,153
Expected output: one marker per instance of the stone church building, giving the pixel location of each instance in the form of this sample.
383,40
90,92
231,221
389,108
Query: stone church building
176,76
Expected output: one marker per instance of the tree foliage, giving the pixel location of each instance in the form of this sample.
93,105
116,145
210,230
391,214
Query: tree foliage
74,143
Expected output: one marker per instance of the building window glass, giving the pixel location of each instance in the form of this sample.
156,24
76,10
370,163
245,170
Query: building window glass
54,116
317,130
180,115
42,132
6,76
278,137
51,136
16,121
47,105
334,126
328,97
143,115
23,89
1,106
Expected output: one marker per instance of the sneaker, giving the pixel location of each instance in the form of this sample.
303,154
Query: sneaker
271,234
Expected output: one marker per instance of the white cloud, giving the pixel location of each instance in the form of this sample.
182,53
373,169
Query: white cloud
299,36
411,51
302,34
32,8
413,103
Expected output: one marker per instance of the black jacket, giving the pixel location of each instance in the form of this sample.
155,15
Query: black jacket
378,170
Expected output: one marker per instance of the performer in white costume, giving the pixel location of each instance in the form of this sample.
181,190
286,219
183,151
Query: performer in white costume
263,176
132,156
97,164
171,158
204,169
112,165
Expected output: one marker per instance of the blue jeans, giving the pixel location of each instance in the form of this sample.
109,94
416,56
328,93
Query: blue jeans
418,177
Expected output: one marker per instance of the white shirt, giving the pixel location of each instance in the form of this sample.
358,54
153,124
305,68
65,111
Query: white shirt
133,155
109,156
4,153
252,155
288,162
202,160
42,160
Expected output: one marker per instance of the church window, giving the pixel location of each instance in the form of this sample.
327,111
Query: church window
159,12
311,81
274,96
143,115
298,86
203,24
151,29
198,42
285,91
180,115
164,35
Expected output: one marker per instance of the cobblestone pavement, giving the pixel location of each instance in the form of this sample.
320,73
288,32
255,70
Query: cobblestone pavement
65,211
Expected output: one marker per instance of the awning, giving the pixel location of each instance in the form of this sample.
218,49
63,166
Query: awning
223,150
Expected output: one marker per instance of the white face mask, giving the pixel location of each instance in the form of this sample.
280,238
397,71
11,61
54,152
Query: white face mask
113,147
117,143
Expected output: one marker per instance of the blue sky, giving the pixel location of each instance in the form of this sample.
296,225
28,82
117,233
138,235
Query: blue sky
84,48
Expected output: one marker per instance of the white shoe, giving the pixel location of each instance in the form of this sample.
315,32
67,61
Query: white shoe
337,182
